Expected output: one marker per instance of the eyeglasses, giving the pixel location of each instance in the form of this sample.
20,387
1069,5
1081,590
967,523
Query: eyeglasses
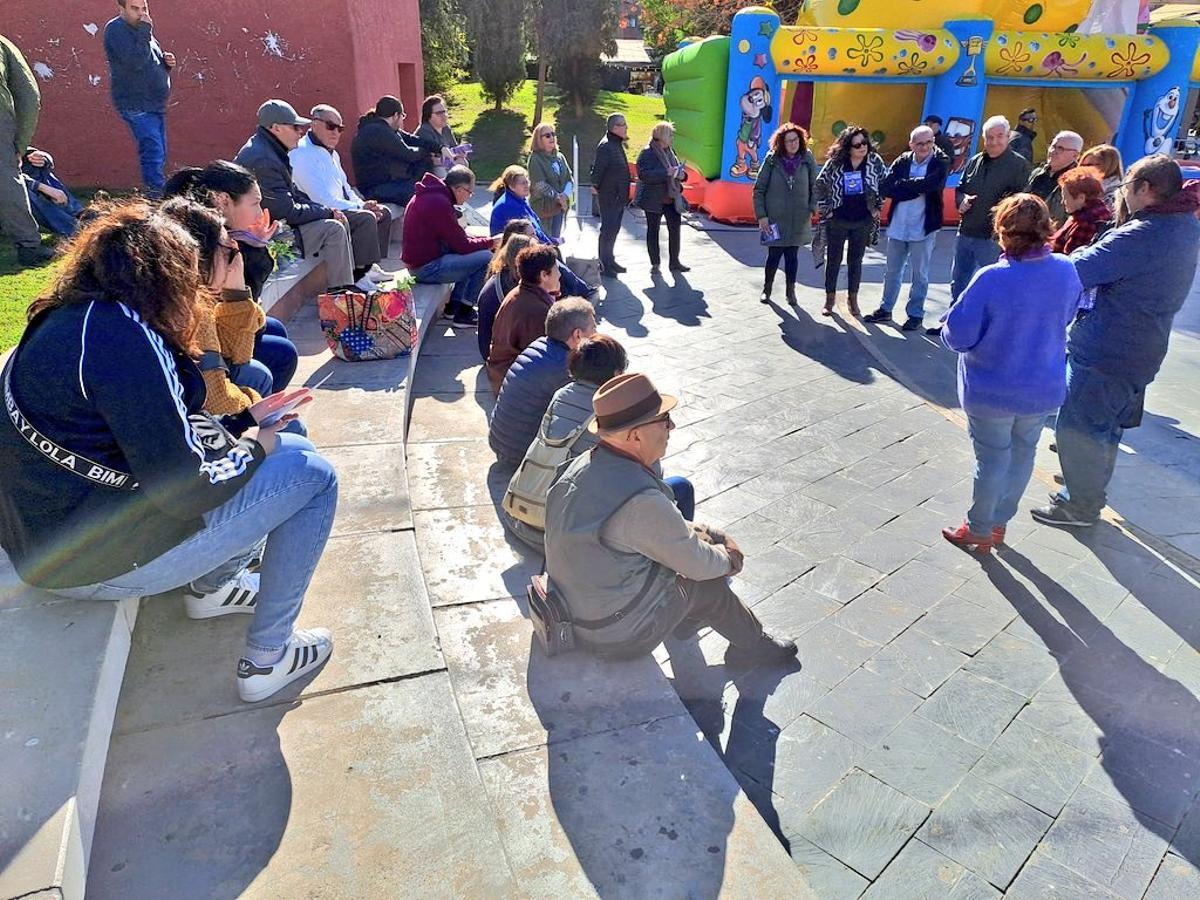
1055,148
1130,184
332,127
548,134
438,112
922,143
857,145
299,129
665,417
231,252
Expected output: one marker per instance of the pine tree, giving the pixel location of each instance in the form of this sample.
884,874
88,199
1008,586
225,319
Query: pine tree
496,32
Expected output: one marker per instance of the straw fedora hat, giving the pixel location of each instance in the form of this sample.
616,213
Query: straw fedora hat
627,401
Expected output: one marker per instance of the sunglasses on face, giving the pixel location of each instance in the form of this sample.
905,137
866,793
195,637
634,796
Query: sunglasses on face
857,145
338,128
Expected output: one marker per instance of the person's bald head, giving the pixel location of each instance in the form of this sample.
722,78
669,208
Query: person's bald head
921,142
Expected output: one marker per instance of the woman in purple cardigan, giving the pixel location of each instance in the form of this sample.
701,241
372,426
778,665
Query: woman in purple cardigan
1009,329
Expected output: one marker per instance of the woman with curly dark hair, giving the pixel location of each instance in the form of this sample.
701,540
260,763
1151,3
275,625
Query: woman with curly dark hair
849,200
1009,328
784,200
118,485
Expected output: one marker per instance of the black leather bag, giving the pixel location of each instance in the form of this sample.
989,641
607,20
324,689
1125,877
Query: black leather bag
551,622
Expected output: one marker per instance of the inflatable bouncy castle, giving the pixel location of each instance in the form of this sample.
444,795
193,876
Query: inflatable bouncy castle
886,65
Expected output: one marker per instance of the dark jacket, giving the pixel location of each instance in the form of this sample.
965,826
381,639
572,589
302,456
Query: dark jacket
267,158
431,227
1044,184
491,295
653,181
790,206
941,140
990,180
380,154
138,75
610,172
528,388
899,187
1138,290
1021,142
100,382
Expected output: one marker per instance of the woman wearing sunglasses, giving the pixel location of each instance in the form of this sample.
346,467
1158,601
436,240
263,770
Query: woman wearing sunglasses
848,202
551,180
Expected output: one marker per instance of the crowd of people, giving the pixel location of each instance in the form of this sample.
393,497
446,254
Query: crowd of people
155,442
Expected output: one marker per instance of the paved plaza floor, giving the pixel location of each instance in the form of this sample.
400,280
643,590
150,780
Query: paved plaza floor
1023,725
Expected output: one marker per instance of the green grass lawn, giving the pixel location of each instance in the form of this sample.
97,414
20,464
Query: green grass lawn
17,288
501,137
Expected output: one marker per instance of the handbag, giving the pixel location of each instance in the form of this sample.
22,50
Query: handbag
819,241
551,622
359,326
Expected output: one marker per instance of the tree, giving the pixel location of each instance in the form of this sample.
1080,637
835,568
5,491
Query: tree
569,36
496,30
667,22
443,44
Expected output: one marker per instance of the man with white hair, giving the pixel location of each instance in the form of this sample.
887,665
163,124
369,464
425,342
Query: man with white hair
317,170
915,184
1061,158
988,178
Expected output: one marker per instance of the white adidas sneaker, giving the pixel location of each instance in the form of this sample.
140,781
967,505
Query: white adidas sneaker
378,274
240,595
305,652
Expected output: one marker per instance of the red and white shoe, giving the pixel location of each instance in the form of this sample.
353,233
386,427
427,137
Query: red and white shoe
962,537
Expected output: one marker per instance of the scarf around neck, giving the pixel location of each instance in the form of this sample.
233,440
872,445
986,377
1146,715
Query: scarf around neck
667,157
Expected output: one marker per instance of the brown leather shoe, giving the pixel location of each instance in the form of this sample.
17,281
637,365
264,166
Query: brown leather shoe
852,305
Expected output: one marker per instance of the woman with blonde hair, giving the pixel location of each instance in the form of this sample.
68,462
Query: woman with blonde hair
503,276
553,182
660,194
1009,328
511,201
1107,159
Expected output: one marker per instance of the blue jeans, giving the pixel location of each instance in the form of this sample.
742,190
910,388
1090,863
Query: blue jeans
970,254
916,256
685,495
253,375
274,350
1088,433
466,272
61,220
149,131
1004,450
553,225
290,501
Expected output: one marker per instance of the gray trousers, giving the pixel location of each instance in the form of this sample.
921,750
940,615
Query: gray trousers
16,219
328,240
368,237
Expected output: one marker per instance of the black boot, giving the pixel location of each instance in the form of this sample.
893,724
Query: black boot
766,293
791,293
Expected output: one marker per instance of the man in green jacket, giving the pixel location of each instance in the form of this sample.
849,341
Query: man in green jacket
988,178
20,102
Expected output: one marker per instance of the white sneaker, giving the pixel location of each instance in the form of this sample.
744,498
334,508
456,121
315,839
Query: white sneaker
237,596
305,652
377,274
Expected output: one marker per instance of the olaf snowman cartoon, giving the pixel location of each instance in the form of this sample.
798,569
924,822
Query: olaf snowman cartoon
1159,121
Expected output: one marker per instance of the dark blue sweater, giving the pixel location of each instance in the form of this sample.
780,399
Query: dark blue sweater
140,79
1010,330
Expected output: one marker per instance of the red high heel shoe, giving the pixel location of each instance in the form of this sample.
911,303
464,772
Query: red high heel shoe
998,532
962,537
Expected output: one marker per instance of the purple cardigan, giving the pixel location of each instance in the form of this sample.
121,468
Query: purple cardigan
1009,328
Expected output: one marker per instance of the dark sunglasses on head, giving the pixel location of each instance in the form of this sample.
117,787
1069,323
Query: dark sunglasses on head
338,128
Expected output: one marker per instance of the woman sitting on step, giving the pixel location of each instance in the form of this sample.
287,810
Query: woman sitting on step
118,485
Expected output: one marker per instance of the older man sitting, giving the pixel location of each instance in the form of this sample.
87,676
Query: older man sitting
628,566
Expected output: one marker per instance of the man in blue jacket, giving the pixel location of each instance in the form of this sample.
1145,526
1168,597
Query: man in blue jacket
1142,271
139,72
915,185
534,376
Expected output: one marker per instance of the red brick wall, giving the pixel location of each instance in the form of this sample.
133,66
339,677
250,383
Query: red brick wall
232,55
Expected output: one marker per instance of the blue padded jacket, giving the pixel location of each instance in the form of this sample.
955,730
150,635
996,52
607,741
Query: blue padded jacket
528,388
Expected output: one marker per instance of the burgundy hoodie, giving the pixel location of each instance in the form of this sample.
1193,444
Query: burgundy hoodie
431,226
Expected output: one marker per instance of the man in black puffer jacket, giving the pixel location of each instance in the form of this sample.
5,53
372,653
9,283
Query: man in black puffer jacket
389,162
534,376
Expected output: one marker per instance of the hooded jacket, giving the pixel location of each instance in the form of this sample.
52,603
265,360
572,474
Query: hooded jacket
431,228
380,154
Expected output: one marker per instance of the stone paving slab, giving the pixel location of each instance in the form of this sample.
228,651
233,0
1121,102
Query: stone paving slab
372,792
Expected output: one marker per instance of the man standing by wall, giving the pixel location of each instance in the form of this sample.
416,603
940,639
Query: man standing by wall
139,70
20,102
610,188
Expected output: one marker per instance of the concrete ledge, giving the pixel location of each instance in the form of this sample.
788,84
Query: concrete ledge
59,683
287,289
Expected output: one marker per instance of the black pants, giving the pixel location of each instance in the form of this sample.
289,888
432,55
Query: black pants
790,265
398,192
840,234
674,221
611,214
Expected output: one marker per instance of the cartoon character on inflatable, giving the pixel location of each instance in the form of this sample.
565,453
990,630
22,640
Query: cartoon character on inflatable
756,110
1158,122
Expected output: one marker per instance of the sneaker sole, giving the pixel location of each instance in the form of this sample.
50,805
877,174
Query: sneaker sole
1063,523
264,692
221,611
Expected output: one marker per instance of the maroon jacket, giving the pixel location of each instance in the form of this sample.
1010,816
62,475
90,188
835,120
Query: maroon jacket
1082,226
431,226
520,321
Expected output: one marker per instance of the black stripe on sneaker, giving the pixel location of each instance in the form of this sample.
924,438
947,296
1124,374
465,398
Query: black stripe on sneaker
241,597
229,598
295,661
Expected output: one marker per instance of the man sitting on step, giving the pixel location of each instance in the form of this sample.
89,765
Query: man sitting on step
628,566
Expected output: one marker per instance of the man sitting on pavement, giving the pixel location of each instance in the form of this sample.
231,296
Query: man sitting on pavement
1061,158
437,250
388,162
521,319
627,564
317,170
1142,271
915,185
324,232
534,376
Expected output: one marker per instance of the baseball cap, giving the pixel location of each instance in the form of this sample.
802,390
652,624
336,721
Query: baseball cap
279,112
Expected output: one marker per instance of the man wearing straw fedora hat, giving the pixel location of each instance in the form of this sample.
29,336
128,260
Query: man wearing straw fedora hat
629,568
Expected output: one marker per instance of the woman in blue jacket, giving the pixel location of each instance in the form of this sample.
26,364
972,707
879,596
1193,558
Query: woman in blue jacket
1009,328
118,485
